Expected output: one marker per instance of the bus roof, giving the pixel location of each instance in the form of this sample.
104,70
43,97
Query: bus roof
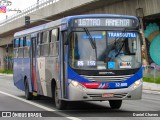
66,20
100,15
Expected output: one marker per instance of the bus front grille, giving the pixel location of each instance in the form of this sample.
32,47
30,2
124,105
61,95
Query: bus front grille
107,78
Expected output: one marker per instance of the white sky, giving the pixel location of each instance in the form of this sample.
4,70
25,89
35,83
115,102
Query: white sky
17,4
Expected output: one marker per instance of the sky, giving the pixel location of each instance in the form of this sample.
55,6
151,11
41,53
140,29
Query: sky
17,4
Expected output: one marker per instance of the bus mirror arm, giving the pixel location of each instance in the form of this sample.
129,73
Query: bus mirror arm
66,40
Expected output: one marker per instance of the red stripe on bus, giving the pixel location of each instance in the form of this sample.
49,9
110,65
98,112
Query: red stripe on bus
91,85
34,79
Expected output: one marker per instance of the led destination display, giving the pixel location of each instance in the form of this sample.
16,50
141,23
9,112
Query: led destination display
110,22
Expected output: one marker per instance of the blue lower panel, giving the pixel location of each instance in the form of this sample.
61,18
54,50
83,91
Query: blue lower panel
19,84
21,69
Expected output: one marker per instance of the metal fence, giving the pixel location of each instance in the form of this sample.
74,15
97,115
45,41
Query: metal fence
29,10
151,71
8,62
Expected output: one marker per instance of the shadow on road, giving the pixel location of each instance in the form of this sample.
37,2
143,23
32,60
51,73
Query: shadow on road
78,105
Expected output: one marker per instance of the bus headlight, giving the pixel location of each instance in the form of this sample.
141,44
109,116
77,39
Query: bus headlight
137,83
77,84
74,83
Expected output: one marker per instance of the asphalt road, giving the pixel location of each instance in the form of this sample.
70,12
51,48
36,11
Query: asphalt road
12,99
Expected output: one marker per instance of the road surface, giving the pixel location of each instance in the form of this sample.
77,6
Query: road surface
12,99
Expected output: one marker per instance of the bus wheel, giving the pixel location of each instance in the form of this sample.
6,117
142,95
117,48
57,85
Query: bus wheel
60,104
28,95
115,104
38,97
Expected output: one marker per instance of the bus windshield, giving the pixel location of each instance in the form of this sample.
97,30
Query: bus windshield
98,50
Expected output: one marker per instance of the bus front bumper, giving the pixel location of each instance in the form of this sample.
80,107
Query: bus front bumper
83,94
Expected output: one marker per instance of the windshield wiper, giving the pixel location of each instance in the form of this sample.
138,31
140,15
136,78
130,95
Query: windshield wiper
92,41
117,39
121,37
93,44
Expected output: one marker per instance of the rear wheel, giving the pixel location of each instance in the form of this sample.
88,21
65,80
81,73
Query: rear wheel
115,104
38,97
60,104
28,95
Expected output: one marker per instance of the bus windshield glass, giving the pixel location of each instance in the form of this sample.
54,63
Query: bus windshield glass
98,50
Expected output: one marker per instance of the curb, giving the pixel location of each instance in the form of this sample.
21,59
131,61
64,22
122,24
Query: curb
10,75
151,86
151,92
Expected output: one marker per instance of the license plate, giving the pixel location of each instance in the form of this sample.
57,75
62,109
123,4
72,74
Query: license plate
107,95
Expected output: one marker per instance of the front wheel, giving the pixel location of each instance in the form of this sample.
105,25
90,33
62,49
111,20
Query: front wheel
115,104
28,95
60,104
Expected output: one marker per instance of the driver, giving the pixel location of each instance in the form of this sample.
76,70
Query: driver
114,53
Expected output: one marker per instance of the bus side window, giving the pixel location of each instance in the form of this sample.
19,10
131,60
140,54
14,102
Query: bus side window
54,43
39,44
57,42
44,46
16,45
27,43
20,51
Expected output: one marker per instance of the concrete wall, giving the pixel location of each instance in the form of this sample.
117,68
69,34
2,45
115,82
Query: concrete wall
51,10
2,54
128,7
63,6
150,6
6,40
3,57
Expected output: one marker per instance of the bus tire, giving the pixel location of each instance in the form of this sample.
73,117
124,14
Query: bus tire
60,104
115,104
28,95
38,97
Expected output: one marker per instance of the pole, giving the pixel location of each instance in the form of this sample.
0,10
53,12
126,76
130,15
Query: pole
144,41
140,14
37,4
7,57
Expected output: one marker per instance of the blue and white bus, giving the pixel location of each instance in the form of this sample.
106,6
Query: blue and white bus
95,57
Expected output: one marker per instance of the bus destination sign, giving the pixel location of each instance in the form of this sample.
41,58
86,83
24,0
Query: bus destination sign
109,22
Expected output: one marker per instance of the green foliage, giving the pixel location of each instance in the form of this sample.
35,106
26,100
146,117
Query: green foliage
5,71
151,80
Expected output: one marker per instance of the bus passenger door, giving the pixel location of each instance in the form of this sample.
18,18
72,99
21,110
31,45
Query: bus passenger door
63,65
33,63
